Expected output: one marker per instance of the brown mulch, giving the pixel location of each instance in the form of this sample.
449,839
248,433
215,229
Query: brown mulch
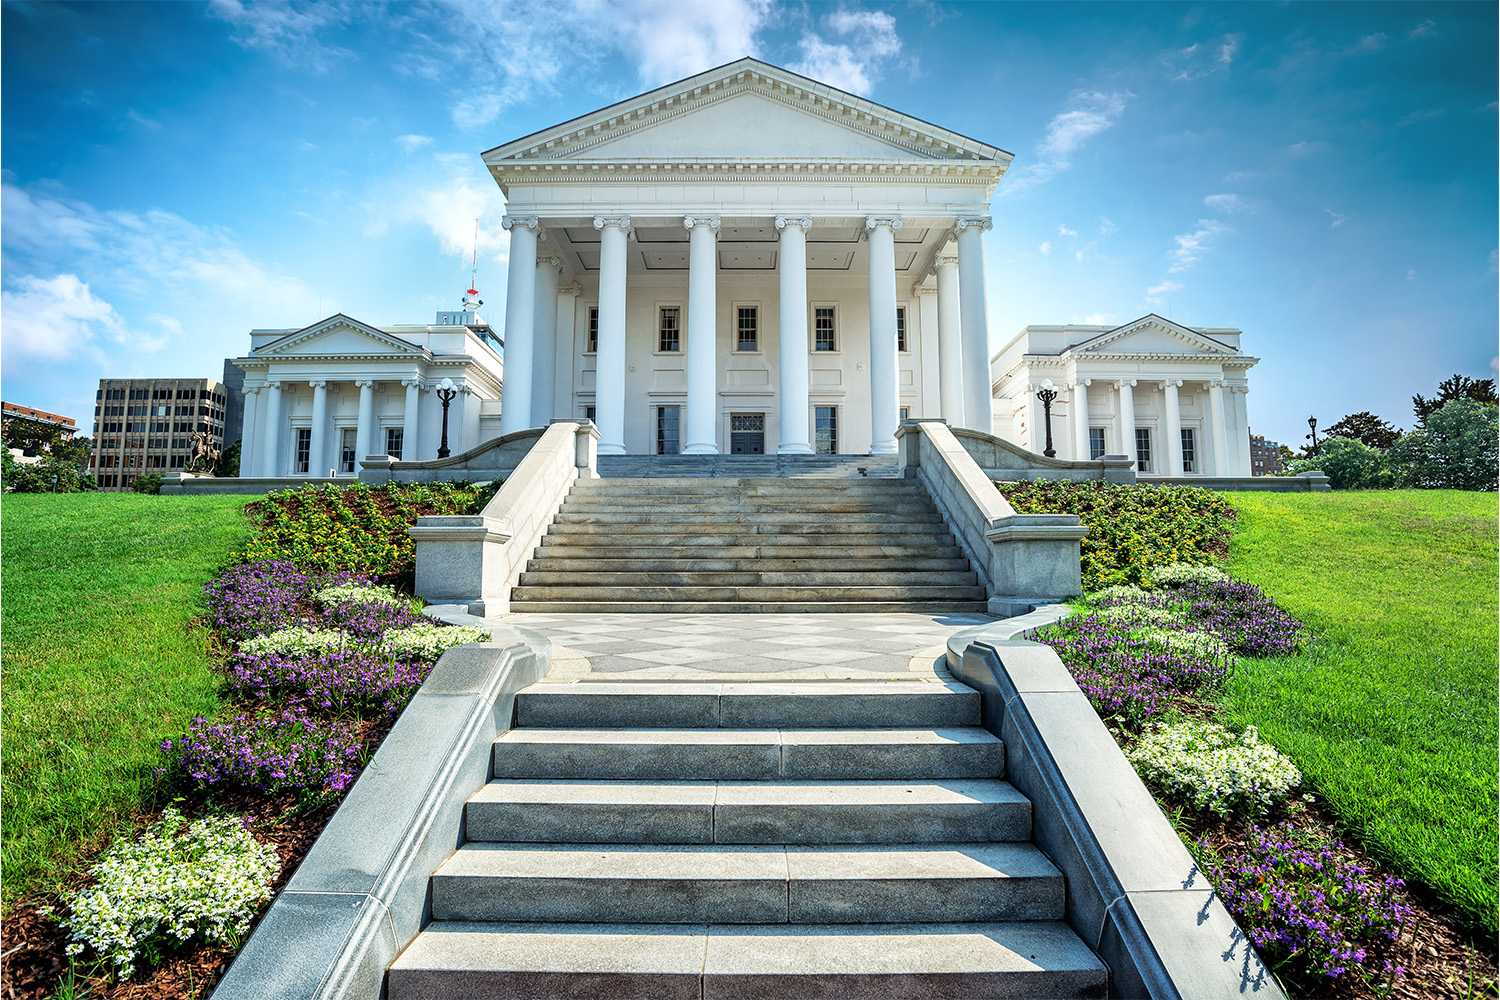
34,962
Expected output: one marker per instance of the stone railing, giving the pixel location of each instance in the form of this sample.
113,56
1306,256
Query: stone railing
1024,560
475,560
496,458
1008,462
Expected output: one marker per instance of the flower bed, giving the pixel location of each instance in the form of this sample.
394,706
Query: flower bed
1149,655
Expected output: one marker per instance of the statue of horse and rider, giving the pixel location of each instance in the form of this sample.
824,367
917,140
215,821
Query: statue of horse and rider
204,452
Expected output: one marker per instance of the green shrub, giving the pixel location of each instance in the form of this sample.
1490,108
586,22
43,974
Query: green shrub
1132,529
1349,465
1453,449
147,482
357,528
37,478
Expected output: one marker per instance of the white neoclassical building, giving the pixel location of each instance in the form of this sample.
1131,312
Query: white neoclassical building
746,261
1169,396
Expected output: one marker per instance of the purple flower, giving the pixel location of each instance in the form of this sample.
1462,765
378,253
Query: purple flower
286,750
255,598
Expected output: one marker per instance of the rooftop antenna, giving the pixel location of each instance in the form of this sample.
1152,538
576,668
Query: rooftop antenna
472,301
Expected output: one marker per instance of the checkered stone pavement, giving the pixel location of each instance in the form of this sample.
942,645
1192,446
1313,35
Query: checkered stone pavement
705,645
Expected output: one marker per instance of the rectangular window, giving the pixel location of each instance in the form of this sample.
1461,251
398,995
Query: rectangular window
901,329
906,413
669,337
666,429
304,448
588,412
826,430
1096,443
346,449
593,344
393,441
1189,451
1143,449
749,329
824,334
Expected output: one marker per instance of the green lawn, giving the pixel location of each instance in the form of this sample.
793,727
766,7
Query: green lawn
100,661
1392,711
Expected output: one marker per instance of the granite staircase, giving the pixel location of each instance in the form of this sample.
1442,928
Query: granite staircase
752,840
774,544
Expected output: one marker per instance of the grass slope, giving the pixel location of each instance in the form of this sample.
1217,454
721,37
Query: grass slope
1392,711
99,660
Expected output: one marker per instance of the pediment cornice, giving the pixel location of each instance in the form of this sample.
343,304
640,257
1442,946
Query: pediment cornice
1095,346
287,347
572,140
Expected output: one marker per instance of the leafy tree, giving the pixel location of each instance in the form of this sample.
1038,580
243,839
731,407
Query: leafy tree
32,436
1454,448
38,478
1286,457
229,461
147,482
1457,387
1366,428
1348,464
75,452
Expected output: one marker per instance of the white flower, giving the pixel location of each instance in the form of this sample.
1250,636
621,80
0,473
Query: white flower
427,642
295,641
353,593
1179,573
1214,769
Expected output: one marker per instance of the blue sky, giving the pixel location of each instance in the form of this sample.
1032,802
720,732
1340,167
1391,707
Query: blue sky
1321,176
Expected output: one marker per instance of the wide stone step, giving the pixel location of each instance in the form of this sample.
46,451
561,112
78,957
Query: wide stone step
972,810
602,559
728,505
524,961
755,705
792,532
748,546
750,754
588,490
751,594
751,607
651,515
770,884
768,576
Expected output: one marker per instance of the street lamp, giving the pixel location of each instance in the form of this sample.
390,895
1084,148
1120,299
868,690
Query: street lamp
445,392
54,482
1313,423
1047,394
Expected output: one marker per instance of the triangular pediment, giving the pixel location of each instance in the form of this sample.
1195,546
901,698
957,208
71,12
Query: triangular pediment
339,334
1152,334
747,108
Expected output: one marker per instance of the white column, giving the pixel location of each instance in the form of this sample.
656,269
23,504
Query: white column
1173,450
1221,466
978,406
520,317
411,420
365,429
609,390
1126,386
1080,408
566,371
1240,402
270,444
319,442
544,333
885,402
702,336
249,433
927,312
792,270
950,341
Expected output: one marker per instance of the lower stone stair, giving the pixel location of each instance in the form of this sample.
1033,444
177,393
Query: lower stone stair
753,840
698,544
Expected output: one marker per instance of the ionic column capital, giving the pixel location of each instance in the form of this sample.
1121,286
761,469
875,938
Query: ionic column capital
711,223
891,222
803,223
364,383
548,260
321,383
409,382
621,222
1125,383
920,290
253,390
570,290
1215,383
983,223
945,258
1175,383
1238,388
274,384
530,222
1082,383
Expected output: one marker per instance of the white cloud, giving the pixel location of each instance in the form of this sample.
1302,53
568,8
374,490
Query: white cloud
1338,218
671,39
1232,204
1065,231
869,39
1202,59
413,142
1192,246
1088,114
1107,226
1228,48
1098,319
1158,293
289,32
59,319
142,120
1417,116
1045,248
1494,261
445,193
1411,275
1423,30
1372,42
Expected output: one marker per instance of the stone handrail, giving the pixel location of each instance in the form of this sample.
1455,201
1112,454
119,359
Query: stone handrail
1023,560
494,459
476,559
1135,895
1000,459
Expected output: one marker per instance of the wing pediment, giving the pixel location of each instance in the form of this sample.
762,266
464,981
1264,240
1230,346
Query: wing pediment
1152,335
339,334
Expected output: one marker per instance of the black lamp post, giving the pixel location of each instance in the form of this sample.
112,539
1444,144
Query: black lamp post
1047,394
1313,423
446,393
54,482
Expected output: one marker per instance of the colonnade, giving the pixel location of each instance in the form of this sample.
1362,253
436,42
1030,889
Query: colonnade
531,332
1213,456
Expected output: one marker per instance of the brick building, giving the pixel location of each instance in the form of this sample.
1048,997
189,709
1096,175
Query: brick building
1265,456
66,426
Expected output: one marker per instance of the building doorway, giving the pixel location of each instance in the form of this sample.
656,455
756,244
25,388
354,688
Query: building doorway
747,433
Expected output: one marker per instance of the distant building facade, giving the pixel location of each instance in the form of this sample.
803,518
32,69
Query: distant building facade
1265,456
66,426
234,412
147,425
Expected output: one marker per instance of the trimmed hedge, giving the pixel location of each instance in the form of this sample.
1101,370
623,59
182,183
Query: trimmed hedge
1132,529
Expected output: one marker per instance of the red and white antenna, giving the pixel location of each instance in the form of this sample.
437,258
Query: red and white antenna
472,301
